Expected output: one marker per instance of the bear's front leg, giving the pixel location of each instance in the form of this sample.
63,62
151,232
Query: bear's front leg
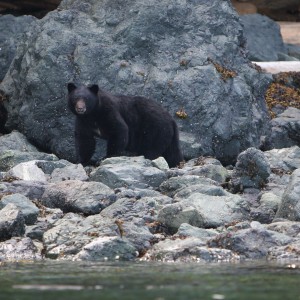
84,141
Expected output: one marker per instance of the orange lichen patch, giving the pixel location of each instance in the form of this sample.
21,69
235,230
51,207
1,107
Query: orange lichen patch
225,73
255,66
120,223
200,161
288,78
280,94
181,114
183,63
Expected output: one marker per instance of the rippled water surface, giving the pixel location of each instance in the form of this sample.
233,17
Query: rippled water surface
157,281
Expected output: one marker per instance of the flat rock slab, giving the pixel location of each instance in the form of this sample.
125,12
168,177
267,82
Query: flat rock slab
275,67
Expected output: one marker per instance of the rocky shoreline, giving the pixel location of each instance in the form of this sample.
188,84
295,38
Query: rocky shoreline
228,202
130,208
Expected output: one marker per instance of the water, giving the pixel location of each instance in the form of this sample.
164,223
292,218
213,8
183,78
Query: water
155,281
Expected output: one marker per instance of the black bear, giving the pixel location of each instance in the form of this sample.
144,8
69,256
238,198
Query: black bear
131,125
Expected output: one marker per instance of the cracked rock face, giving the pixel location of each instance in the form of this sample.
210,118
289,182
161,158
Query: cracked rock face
189,56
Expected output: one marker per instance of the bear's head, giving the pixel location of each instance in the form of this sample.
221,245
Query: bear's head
82,100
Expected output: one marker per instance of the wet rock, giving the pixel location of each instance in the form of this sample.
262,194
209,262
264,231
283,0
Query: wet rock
278,181
137,233
186,230
290,205
16,141
30,189
27,171
15,149
12,222
210,190
135,218
270,200
285,159
253,242
190,144
262,214
68,235
289,252
137,193
264,40
251,170
289,228
70,172
238,226
175,184
204,211
36,232
49,166
78,196
285,129
132,208
208,168
161,164
47,218
11,158
19,249
107,248
187,250
132,172
29,210
251,196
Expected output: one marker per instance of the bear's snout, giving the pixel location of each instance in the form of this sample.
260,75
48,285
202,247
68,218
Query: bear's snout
80,107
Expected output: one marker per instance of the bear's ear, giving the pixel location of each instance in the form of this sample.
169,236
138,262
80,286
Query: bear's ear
71,87
94,88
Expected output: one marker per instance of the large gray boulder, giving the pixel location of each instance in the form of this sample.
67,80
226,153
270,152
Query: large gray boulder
131,172
264,40
187,55
204,209
252,242
11,28
78,196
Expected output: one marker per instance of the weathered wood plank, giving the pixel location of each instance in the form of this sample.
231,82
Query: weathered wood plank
275,67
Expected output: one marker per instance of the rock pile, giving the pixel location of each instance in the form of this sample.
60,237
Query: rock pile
190,56
133,208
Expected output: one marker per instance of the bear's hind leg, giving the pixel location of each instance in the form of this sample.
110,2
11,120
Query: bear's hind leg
173,154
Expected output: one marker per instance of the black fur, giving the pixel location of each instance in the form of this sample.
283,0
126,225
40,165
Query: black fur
131,125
